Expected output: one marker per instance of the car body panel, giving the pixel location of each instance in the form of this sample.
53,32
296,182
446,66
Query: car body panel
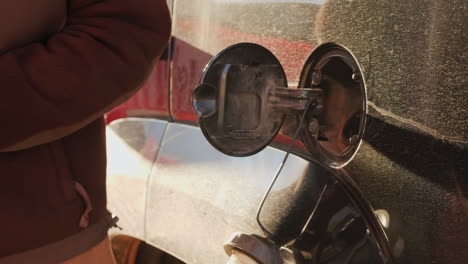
412,162
413,158
199,197
132,145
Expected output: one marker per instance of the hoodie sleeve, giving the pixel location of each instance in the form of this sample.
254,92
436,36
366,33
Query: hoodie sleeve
100,58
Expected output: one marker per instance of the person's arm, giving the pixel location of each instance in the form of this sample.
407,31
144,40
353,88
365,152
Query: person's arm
26,21
101,57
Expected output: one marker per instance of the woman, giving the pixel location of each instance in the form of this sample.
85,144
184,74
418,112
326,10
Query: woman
61,68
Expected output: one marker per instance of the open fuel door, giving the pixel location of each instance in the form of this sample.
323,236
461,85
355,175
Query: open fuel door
243,97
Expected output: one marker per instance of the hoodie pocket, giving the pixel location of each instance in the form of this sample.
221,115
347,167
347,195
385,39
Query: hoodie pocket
70,189
84,219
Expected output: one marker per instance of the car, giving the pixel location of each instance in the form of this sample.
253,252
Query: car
299,131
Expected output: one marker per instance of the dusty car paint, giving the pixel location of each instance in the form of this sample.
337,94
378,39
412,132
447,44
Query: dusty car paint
132,145
413,161
197,201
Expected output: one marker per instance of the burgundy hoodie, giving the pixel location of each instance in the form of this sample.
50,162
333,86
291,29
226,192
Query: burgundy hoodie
52,134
